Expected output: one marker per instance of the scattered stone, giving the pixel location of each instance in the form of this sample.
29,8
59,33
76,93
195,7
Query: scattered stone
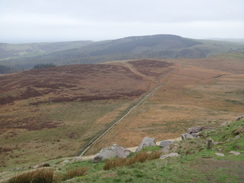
228,140
146,142
237,137
36,166
210,143
165,143
66,161
195,129
239,118
111,152
186,136
216,143
225,124
195,134
165,150
169,155
235,153
219,154
238,130
220,149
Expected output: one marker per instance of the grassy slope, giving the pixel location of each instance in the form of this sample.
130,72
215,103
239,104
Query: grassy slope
195,164
203,166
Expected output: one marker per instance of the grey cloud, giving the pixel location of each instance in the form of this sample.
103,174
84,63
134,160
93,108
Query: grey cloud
102,19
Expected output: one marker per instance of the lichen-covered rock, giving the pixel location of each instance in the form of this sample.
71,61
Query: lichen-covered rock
169,155
165,150
235,153
146,142
165,143
111,152
195,129
219,154
186,136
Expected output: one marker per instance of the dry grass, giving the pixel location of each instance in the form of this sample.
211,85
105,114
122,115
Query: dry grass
75,173
138,158
37,176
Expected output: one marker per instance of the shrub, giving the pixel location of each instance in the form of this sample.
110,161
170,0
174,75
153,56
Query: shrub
76,173
138,158
37,176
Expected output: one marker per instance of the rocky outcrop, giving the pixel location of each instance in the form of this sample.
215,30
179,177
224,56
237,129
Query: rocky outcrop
186,136
165,143
146,142
195,129
111,152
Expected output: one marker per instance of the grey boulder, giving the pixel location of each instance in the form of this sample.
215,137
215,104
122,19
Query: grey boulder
146,142
186,136
165,143
195,129
111,152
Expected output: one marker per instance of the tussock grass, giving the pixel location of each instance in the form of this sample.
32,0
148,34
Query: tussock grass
75,173
37,176
140,157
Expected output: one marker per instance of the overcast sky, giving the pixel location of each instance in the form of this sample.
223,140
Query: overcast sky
66,20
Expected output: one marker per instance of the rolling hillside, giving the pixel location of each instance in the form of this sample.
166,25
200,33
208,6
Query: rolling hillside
155,46
54,112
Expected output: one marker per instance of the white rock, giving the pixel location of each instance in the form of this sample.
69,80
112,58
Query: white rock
169,155
219,154
235,153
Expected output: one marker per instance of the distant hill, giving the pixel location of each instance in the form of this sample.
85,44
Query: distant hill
137,47
16,50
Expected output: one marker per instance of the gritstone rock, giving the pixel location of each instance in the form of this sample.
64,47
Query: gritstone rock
169,155
235,153
165,143
111,152
186,136
146,142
